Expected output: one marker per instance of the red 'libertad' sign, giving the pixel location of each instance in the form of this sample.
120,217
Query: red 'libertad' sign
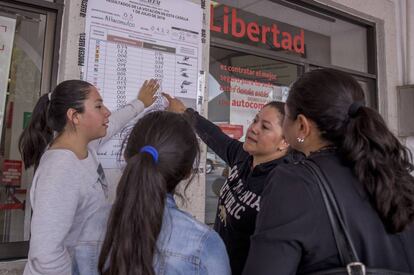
237,27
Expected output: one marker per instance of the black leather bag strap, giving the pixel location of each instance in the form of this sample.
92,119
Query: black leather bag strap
343,239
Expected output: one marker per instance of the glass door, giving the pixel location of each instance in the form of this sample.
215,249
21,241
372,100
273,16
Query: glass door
26,54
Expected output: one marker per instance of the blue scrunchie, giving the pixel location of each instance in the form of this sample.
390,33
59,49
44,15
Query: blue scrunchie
150,150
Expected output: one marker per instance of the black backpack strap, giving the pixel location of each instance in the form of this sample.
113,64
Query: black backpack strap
343,239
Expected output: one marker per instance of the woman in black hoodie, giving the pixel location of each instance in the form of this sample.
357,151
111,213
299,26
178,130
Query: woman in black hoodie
250,162
368,170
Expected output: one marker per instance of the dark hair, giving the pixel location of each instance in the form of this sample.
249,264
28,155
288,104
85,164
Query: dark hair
49,116
279,106
136,217
380,162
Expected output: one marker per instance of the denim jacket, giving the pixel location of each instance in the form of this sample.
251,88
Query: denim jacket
186,246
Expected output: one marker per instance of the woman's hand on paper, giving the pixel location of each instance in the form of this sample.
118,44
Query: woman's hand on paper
175,105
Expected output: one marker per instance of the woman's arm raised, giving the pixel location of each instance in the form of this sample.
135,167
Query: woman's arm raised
224,146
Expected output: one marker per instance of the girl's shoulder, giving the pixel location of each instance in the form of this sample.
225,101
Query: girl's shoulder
59,163
53,157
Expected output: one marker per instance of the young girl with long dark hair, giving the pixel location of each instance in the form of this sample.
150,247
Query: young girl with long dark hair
147,234
69,193
368,170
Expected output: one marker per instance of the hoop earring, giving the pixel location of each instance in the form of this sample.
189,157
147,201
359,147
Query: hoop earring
300,140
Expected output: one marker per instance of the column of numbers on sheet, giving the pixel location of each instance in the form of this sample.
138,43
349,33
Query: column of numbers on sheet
121,74
160,66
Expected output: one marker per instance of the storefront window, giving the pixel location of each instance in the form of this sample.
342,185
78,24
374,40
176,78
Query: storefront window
271,25
26,53
239,85
259,48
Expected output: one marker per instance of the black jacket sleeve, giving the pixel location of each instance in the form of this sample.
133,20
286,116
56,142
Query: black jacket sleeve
276,246
225,147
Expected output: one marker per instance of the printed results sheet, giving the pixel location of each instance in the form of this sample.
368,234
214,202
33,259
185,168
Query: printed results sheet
128,42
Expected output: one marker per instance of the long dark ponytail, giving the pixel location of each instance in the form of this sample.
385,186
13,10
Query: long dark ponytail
49,115
381,163
136,217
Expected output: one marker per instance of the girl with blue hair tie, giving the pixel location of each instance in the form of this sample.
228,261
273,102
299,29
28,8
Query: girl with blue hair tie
147,233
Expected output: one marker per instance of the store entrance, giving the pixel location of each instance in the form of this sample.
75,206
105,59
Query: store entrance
26,53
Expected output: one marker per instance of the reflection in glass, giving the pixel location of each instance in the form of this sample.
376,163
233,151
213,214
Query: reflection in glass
239,85
23,91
